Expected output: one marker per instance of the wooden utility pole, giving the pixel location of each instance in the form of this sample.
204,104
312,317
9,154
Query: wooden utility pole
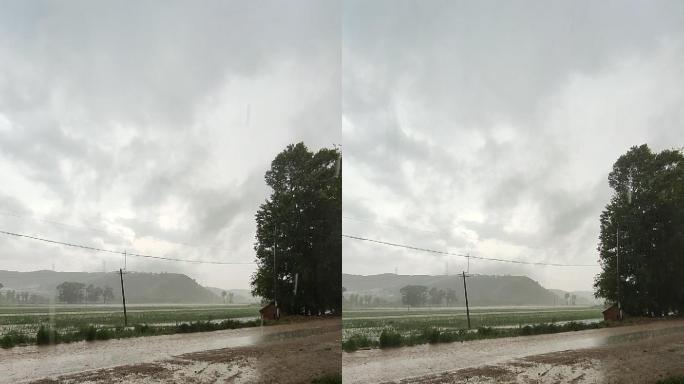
617,267
465,289
123,297
275,271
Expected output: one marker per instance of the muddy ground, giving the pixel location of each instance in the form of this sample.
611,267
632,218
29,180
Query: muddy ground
288,354
642,353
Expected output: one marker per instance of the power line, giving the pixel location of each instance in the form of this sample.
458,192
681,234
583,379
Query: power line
465,255
105,231
119,252
391,225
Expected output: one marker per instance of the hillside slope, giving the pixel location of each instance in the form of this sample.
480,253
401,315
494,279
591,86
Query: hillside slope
140,287
483,290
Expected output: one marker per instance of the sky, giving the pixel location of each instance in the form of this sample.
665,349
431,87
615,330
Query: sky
490,128
148,126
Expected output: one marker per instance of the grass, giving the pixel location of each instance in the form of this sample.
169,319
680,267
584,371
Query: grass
392,339
46,335
388,328
672,380
64,324
371,323
328,379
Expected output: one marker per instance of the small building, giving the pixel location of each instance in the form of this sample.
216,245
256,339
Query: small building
611,313
269,312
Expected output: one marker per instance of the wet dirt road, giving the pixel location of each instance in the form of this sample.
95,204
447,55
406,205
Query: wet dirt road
311,348
601,355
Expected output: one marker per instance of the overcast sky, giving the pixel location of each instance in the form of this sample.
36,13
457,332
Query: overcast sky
144,126
491,127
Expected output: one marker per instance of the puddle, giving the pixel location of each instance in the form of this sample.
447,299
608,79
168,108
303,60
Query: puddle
636,336
34,362
396,364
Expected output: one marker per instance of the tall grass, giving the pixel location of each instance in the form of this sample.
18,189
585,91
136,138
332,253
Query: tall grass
390,338
47,335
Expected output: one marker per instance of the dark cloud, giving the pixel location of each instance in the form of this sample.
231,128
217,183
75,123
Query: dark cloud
149,127
491,127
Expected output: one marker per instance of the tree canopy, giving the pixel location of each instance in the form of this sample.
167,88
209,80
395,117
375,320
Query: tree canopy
643,224
414,295
302,219
70,292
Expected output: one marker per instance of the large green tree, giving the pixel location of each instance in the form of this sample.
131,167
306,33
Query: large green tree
70,292
302,219
414,295
642,232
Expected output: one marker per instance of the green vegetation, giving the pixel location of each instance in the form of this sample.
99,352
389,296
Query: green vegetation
303,216
455,318
390,338
49,325
12,338
328,379
645,216
381,328
672,380
46,335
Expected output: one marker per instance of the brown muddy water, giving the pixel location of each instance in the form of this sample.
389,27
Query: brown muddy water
400,364
22,364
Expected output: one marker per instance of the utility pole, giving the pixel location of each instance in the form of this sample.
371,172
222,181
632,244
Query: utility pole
294,298
275,271
465,289
617,266
123,297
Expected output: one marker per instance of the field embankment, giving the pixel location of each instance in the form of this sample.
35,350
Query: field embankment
21,325
382,327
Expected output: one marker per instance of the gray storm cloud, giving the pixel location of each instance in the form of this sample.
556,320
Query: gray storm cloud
149,126
490,127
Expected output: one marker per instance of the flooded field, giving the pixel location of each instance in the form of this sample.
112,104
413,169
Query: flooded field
371,322
69,318
601,355
244,355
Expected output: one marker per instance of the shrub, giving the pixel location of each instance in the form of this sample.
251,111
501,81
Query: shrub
89,333
7,341
390,339
12,338
349,345
486,331
43,336
432,335
357,342
672,380
103,334
328,379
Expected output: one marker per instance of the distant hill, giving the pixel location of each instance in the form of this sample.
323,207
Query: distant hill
140,287
483,290
240,296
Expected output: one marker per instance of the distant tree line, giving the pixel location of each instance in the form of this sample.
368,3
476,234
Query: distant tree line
412,295
420,296
365,300
227,295
71,292
10,297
